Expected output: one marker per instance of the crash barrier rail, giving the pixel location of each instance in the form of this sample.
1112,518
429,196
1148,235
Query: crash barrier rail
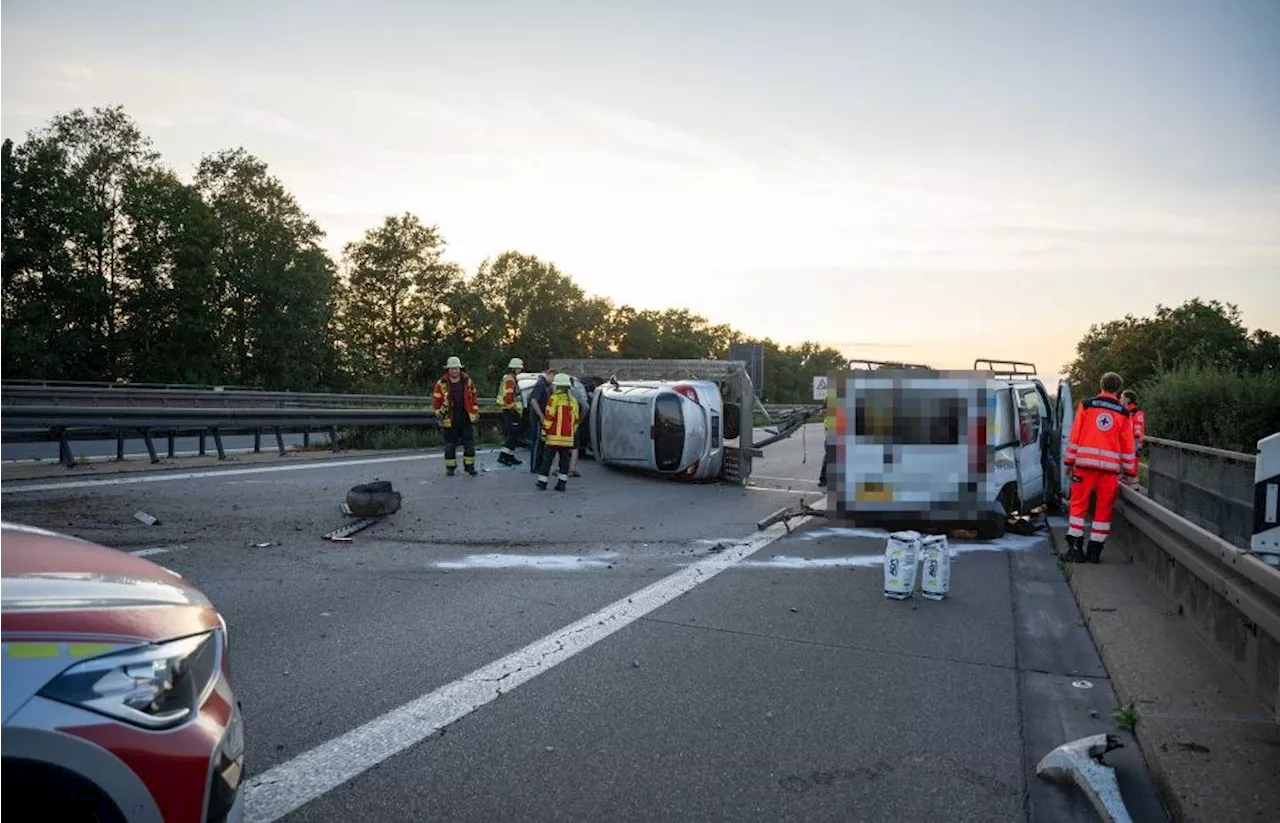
46,393
1212,488
63,424
1232,597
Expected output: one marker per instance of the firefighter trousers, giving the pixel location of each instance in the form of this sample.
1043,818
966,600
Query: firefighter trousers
549,453
1086,483
460,432
510,431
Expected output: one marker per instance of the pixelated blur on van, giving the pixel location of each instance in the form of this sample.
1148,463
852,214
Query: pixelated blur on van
937,449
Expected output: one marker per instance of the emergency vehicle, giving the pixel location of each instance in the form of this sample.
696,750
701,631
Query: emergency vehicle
952,448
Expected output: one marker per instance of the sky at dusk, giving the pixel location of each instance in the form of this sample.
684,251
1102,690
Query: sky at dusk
923,180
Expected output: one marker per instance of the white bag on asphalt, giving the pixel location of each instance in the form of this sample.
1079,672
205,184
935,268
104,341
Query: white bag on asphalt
901,555
935,562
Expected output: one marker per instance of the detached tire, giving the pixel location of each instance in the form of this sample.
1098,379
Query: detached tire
373,499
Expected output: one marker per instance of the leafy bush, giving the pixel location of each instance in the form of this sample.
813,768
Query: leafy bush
1213,406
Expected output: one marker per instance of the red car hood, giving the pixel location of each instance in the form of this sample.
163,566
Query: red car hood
54,584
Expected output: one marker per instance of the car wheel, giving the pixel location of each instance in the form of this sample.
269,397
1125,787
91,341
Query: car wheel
373,500
58,793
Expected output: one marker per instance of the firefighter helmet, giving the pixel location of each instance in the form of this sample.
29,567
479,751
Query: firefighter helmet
453,363
516,363
563,380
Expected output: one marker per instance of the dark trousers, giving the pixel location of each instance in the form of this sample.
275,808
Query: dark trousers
549,453
460,432
536,450
511,431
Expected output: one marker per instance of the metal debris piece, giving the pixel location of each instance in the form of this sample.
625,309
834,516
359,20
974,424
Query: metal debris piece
263,545
343,534
1082,684
1080,762
144,518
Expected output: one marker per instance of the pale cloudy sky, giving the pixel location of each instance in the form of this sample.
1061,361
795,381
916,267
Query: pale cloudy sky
931,180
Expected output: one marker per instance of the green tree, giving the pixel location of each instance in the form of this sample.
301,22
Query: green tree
277,287
538,308
396,304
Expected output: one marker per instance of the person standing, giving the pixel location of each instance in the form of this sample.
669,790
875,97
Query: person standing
512,405
537,405
1139,417
1098,453
457,407
559,423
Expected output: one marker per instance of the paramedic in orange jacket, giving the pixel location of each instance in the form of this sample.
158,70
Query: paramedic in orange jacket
1138,416
1099,452
457,407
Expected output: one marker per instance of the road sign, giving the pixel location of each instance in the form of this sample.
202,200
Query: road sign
819,388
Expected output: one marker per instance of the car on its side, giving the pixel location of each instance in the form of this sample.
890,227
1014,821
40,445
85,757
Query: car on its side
118,703
672,428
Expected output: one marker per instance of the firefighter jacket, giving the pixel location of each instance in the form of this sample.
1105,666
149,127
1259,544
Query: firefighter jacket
1139,418
1102,437
561,420
443,406
509,398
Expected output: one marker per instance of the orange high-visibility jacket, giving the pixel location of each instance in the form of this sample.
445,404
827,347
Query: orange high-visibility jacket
509,398
1102,437
1139,418
443,407
561,420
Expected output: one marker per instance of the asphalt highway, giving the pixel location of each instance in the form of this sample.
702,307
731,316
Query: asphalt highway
632,649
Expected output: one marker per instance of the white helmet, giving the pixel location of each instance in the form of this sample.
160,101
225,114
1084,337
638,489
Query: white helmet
563,379
453,363
516,363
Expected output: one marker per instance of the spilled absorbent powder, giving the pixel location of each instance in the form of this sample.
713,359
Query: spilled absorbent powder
541,562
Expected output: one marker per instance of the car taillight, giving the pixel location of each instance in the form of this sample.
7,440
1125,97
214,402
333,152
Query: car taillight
688,391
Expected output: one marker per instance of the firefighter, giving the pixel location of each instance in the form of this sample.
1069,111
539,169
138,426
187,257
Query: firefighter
457,407
1099,452
512,405
1138,416
828,441
559,425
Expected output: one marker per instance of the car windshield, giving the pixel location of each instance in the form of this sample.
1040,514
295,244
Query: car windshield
668,432
904,418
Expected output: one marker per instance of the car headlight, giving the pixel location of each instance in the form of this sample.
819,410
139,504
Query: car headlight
155,687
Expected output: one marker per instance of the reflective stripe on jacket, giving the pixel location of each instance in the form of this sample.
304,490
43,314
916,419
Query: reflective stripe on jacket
561,420
1102,437
443,407
509,398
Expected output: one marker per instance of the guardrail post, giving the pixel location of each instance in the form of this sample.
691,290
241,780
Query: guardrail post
120,445
306,438
173,445
333,438
64,450
257,441
217,441
280,441
151,445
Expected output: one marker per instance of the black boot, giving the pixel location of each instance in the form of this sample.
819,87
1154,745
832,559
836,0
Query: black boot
541,484
449,472
561,486
471,470
505,459
1095,552
1075,549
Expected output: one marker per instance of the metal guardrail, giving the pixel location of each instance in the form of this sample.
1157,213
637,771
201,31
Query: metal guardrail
1211,488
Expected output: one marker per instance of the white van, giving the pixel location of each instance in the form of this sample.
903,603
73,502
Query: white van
668,427
920,446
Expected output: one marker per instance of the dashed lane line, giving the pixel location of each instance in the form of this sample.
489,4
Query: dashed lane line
312,774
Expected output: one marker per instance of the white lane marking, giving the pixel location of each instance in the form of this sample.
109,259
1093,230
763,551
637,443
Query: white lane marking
162,477
555,562
289,785
156,550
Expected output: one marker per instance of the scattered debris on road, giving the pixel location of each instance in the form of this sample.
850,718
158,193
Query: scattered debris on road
1080,762
145,519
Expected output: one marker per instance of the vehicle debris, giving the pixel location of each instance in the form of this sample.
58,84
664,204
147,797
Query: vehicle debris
145,519
1080,762
370,502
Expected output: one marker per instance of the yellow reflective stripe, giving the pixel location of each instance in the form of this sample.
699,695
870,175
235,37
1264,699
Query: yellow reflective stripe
88,649
31,651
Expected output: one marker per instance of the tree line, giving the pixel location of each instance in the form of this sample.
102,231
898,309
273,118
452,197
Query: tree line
1201,375
114,268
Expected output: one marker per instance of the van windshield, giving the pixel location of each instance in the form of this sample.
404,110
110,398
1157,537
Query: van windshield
908,418
668,432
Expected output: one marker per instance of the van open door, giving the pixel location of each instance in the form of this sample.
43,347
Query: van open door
1065,413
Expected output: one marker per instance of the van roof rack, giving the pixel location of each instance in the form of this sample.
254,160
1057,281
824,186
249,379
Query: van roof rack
1006,368
884,364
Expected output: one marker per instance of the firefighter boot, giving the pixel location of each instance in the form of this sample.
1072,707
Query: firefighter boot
561,485
1075,549
449,472
541,484
1095,552
471,470
505,459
